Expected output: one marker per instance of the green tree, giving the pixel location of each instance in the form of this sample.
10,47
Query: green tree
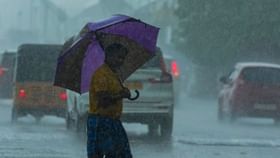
218,33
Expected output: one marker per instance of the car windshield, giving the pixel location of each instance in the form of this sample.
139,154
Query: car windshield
262,75
153,63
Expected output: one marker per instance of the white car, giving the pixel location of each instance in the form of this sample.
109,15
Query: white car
154,107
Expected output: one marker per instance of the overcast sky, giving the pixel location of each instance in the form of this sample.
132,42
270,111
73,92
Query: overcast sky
73,7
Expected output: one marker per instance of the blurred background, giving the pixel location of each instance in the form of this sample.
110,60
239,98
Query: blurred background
202,41
229,31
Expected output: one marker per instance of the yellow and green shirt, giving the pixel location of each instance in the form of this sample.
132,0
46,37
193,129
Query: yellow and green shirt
105,80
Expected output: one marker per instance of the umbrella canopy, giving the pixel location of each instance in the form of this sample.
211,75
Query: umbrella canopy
83,56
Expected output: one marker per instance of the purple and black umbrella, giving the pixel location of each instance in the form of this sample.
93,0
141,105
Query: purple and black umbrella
85,54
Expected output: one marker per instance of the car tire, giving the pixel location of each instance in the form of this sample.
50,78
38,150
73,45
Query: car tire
221,115
232,116
79,124
14,116
276,121
166,128
38,119
68,122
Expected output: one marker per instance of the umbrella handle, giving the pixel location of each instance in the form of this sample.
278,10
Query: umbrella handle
136,97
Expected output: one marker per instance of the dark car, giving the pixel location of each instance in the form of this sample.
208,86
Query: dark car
252,89
7,66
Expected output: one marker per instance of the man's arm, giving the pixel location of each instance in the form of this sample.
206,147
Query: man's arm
106,98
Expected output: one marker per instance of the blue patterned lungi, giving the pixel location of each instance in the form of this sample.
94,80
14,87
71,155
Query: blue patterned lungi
106,136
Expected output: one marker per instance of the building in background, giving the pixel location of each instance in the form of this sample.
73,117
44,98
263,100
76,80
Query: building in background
98,11
158,13
36,21
42,21
161,14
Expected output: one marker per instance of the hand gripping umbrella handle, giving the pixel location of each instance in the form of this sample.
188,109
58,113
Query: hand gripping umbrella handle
136,97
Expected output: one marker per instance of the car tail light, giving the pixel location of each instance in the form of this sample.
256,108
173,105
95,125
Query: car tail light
175,69
22,93
63,96
2,71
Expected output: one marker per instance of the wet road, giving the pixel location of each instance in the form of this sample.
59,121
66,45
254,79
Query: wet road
197,134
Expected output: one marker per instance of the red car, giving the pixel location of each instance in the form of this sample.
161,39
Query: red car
251,89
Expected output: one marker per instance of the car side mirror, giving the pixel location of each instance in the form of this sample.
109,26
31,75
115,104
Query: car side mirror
224,80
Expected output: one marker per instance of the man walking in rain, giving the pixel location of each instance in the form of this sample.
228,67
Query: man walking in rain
106,134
